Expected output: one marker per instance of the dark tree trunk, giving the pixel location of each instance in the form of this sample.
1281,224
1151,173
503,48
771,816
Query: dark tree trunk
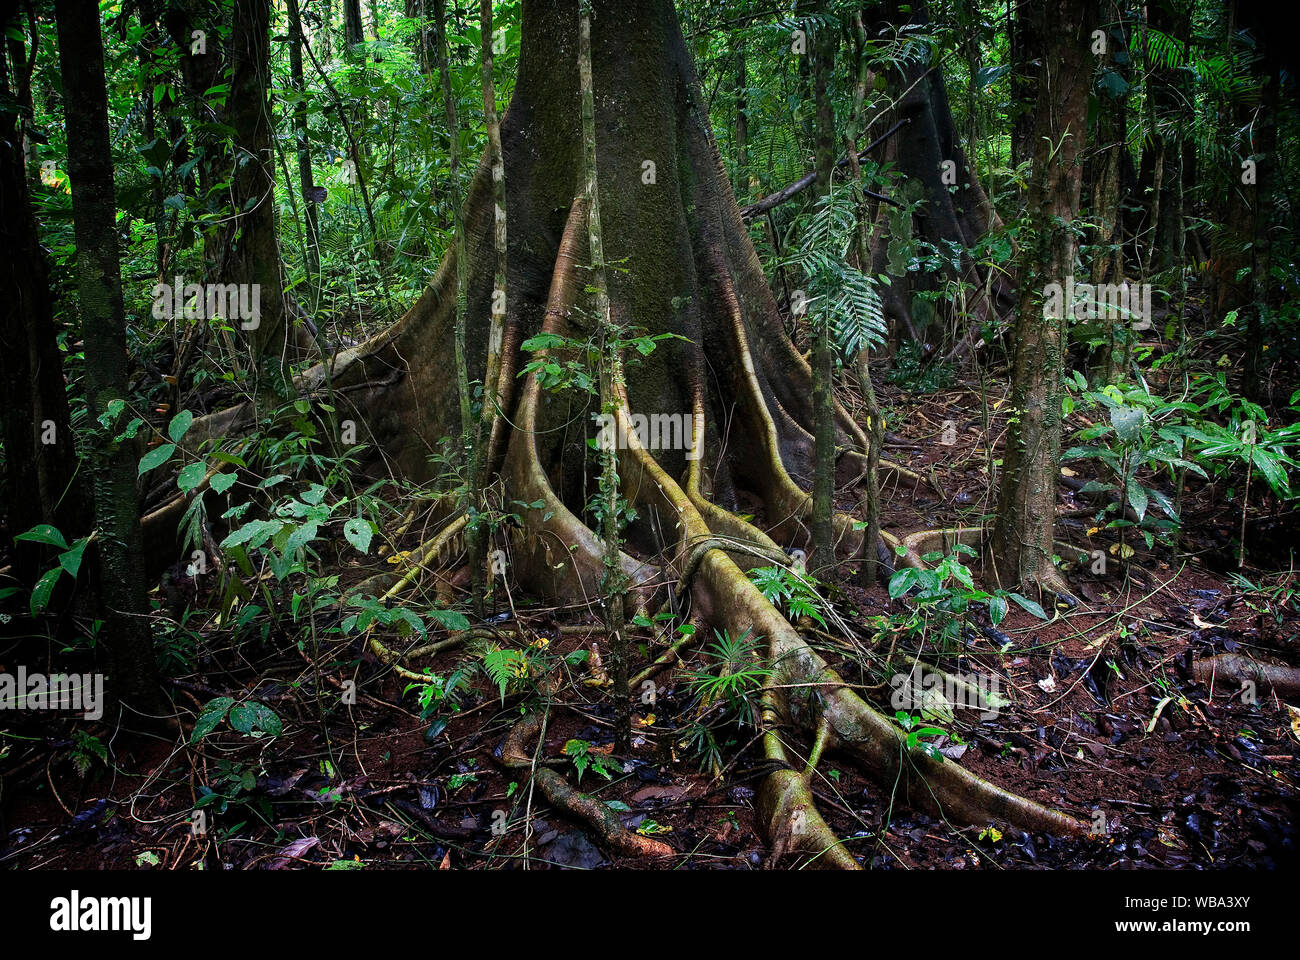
1023,531
742,126
1256,382
302,134
921,151
1170,106
248,247
825,40
1026,46
118,554
35,427
353,30
1110,192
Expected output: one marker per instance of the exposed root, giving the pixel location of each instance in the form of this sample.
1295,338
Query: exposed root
604,822
822,702
789,507
559,554
1239,669
436,549
786,806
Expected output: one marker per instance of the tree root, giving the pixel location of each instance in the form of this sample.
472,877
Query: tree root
436,549
785,804
604,822
806,690
1241,669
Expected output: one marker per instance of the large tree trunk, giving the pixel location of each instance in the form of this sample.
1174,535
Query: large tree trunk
119,582
685,266
1023,532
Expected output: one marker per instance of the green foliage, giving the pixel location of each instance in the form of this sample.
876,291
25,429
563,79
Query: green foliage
248,717
584,758
69,562
913,371
736,678
942,593
1141,431
789,590
840,298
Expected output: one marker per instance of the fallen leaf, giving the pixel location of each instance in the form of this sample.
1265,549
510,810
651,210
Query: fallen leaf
292,852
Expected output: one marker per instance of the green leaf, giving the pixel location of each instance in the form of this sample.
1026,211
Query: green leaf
1127,422
44,587
221,482
209,717
1137,498
180,423
358,533
155,458
71,560
451,619
253,717
997,609
300,537
112,412
900,582
190,476
44,533
1029,605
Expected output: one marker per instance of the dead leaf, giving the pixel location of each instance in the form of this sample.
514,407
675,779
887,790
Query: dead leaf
653,792
292,852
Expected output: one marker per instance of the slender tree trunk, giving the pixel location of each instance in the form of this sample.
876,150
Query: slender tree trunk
1026,48
824,43
118,555
611,389
1110,178
308,183
1171,115
467,424
249,246
490,413
353,30
1255,382
742,185
875,422
1023,531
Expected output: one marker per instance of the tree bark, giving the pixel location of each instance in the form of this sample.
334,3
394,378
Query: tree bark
35,423
1026,514
303,137
118,553
825,40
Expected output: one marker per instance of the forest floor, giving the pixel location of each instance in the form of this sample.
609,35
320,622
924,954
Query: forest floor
1103,716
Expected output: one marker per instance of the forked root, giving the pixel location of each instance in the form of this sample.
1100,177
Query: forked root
604,822
785,804
807,692
818,694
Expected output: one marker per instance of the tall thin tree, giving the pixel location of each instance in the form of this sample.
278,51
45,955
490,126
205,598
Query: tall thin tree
1026,513
611,390
119,548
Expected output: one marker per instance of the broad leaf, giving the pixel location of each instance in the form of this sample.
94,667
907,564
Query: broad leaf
155,458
